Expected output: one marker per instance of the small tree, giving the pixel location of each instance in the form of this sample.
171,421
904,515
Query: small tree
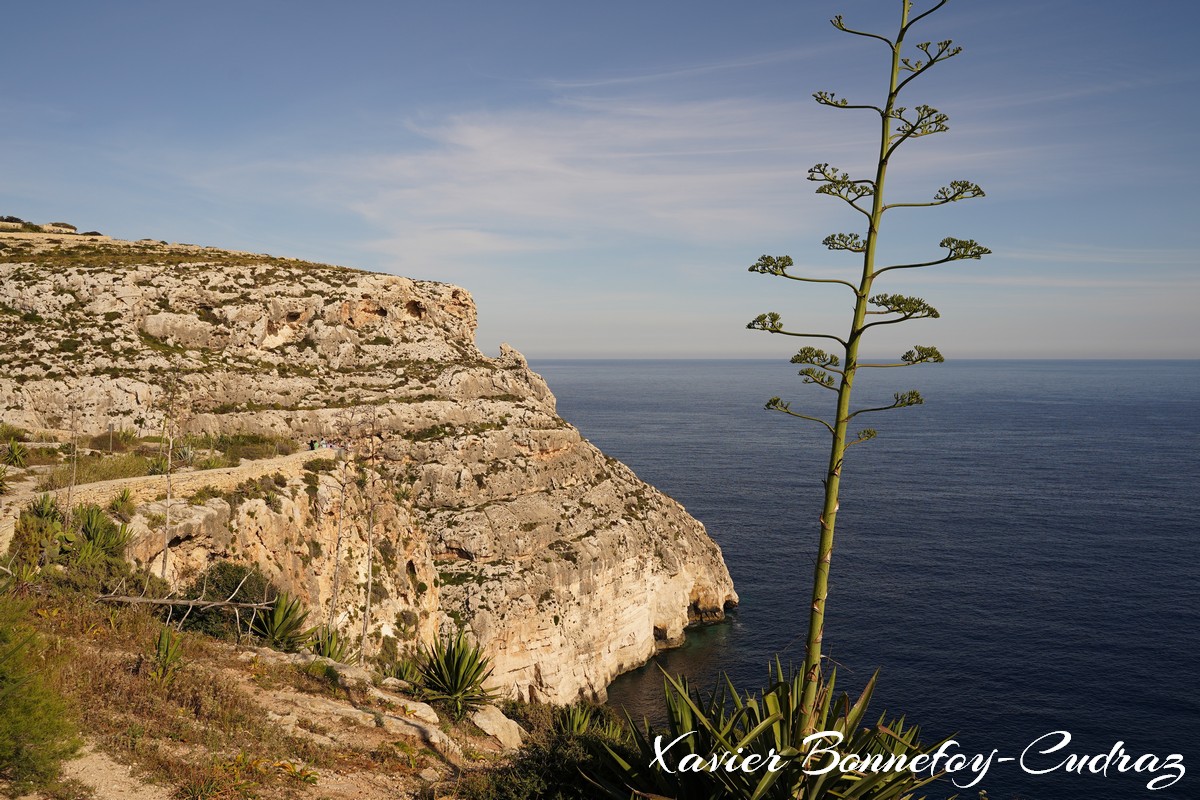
836,373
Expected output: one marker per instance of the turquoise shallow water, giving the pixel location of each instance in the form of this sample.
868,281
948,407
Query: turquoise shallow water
1018,555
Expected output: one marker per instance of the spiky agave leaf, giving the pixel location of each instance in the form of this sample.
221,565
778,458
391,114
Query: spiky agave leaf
455,672
327,643
15,454
282,626
45,507
770,722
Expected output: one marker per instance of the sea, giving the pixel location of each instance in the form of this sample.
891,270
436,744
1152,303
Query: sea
1018,557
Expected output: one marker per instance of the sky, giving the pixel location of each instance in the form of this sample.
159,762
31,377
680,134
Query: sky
601,175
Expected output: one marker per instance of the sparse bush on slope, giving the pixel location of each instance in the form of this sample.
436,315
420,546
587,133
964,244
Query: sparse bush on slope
36,730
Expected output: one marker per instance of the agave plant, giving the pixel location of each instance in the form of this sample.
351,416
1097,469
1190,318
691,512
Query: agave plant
45,507
99,531
122,504
167,658
3,480
454,673
14,454
403,669
762,725
327,643
113,539
576,718
282,626
90,520
183,454
86,554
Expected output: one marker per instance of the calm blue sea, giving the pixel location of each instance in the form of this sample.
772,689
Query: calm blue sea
1018,556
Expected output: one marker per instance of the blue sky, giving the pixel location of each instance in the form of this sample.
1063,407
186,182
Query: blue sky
600,175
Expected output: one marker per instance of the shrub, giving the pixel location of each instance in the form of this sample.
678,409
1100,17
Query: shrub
38,533
318,465
265,488
36,730
226,580
213,462
118,442
97,529
553,759
91,545
453,673
95,467
249,446
3,480
45,507
9,433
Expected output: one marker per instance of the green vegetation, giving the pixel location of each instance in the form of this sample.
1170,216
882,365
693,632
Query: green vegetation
167,658
226,580
327,644
10,433
404,669
86,544
282,625
268,488
837,373
563,745
248,446
131,254
95,537
14,454
93,467
37,730
774,720
453,674
173,711
122,505
119,441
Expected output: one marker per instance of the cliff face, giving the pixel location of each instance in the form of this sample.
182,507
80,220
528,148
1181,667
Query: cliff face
461,498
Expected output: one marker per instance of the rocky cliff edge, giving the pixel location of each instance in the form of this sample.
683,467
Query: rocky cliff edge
452,495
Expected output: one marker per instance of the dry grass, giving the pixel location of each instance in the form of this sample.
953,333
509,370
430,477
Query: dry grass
206,733
93,467
202,732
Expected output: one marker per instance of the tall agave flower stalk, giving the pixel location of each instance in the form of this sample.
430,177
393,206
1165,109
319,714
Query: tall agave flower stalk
836,372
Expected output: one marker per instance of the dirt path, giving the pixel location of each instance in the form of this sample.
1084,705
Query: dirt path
107,779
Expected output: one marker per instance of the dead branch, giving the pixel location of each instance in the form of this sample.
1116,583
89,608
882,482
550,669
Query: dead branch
190,604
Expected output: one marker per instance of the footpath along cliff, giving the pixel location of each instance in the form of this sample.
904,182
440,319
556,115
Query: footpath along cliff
455,495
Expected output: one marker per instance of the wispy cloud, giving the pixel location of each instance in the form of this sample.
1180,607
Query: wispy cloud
1090,254
584,169
696,70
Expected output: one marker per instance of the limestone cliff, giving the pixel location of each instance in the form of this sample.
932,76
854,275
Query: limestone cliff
460,497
